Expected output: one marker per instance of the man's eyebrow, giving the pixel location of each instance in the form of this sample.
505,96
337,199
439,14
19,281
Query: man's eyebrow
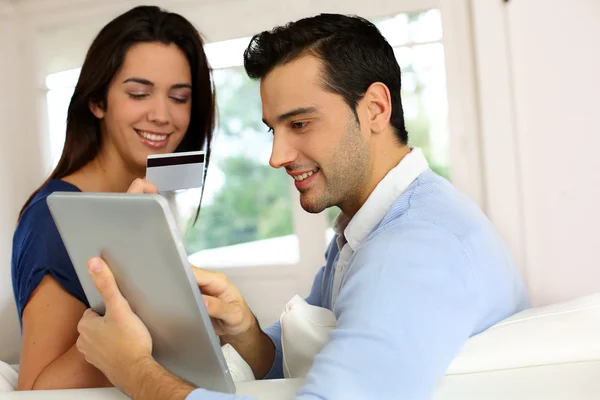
146,82
293,113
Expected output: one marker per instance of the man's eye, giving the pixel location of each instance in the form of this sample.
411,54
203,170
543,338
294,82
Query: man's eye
270,130
299,125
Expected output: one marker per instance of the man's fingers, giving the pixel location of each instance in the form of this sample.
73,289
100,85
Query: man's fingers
79,345
211,283
87,320
89,314
105,283
86,324
229,313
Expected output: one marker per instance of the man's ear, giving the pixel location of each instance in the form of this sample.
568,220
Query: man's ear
379,105
97,108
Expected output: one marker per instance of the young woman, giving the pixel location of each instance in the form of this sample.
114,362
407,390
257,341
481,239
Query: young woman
145,87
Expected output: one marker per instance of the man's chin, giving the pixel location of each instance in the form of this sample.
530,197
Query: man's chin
312,205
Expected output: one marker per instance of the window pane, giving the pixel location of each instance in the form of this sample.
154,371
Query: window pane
425,103
395,29
60,87
411,28
245,200
246,209
425,26
58,104
226,54
63,79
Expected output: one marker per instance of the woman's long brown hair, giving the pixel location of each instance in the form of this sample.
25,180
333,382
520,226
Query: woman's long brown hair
104,59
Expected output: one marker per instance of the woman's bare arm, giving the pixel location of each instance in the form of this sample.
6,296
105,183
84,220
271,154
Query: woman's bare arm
49,358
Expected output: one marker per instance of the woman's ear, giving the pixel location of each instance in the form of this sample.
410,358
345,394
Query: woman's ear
96,108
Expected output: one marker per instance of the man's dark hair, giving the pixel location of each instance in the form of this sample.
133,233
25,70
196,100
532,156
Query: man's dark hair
354,54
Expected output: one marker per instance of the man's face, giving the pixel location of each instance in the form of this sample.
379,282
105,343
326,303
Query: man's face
316,136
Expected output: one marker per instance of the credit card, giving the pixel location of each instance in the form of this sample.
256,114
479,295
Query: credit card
176,171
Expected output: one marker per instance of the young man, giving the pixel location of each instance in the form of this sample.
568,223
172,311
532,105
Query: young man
415,268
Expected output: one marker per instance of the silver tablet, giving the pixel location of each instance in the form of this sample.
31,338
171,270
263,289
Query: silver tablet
138,237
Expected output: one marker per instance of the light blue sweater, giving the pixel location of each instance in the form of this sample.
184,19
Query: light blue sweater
431,274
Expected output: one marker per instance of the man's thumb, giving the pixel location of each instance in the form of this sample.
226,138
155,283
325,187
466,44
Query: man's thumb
105,282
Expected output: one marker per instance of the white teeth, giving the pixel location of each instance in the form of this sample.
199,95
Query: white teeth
305,175
152,136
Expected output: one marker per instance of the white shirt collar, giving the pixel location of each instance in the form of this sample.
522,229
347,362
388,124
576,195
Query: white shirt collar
396,181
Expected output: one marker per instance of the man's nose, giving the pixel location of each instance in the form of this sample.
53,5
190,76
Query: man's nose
283,153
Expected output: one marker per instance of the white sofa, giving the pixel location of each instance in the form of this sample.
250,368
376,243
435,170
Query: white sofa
544,353
547,353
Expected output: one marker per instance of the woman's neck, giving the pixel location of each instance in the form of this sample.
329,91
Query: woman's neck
105,173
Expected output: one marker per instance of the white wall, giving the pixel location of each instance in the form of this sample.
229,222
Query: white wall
20,164
555,54
538,82
7,308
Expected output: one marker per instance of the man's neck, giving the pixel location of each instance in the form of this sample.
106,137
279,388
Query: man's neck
385,158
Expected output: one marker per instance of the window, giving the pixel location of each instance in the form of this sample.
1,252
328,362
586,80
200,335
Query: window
247,205
60,87
245,200
416,39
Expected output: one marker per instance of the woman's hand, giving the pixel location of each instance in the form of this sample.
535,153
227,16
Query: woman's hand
142,186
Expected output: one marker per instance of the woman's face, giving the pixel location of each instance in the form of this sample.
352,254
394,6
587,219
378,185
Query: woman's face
148,104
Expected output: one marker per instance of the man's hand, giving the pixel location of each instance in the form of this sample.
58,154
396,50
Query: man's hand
142,186
120,346
230,314
118,341
234,322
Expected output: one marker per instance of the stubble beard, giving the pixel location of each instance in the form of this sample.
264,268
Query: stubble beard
346,175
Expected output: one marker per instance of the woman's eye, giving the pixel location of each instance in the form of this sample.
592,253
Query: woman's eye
137,96
180,100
